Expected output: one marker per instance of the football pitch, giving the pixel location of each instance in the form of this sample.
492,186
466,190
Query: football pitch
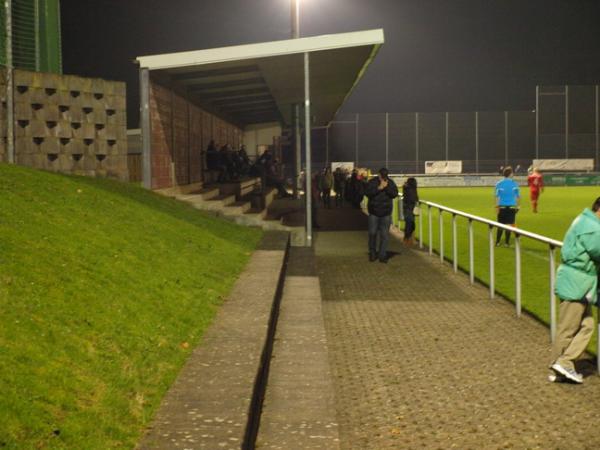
557,207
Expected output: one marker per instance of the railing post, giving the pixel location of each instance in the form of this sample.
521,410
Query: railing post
518,274
421,228
471,254
492,270
441,225
552,297
430,230
598,340
454,244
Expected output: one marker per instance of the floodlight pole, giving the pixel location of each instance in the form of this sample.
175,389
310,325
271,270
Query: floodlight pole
10,104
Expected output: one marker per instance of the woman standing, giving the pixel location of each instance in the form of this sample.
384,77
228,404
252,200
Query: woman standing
409,201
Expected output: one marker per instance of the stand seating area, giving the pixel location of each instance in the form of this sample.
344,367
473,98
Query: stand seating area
246,202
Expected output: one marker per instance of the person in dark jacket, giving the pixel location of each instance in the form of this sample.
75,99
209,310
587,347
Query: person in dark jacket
339,186
381,192
410,197
355,190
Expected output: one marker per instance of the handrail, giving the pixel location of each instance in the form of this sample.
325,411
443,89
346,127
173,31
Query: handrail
551,243
552,246
554,243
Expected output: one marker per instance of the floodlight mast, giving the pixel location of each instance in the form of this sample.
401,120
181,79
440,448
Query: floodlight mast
295,19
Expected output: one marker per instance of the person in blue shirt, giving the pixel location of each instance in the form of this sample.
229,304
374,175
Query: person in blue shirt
507,203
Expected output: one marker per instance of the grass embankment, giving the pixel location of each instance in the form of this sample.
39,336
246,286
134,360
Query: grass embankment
558,206
105,289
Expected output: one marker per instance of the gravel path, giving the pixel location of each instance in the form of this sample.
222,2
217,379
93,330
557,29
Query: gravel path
421,359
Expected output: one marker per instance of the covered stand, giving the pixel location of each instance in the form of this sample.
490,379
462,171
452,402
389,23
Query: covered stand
259,83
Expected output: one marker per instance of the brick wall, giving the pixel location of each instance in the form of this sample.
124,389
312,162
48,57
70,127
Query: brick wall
68,124
181,132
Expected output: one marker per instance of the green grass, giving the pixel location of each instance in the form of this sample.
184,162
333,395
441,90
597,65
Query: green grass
102,287
558,206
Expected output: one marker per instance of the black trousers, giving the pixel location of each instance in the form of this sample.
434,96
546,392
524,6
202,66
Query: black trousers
506,215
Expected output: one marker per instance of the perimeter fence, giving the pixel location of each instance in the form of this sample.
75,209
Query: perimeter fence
565,124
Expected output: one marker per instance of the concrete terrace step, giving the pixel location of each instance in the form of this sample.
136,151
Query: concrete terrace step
237,208
220,201
239,188
203,194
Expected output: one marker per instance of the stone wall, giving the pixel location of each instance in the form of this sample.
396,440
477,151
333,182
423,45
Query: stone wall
69,124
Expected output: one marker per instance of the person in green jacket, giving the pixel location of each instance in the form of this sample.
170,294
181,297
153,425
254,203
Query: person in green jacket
577,288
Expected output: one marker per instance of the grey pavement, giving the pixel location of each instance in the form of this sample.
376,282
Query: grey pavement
422,359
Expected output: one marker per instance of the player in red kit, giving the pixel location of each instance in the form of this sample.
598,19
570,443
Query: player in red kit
535,180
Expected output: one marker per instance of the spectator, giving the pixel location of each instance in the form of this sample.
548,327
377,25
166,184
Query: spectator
244,161
339,186
325,186
409,202
577,289
355,190
273,178
380,191
507,204
213,161
227,162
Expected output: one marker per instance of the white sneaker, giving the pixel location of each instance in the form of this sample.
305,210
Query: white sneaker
569,374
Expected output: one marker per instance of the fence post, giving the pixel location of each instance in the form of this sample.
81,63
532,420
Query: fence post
518,274
430,230
471,254
421,228
454,244
441,225
492,270
598,340
552,298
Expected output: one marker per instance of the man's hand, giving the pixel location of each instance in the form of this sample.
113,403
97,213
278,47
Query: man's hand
382,184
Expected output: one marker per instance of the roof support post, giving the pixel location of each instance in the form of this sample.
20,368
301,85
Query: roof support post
295,10
307,131
297,149
10,105
145,128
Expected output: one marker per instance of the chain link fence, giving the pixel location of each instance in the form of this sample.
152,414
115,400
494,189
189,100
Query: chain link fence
564,125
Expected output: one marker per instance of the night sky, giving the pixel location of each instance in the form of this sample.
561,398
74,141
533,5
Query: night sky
439,55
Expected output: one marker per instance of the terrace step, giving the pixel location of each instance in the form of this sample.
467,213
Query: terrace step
238,208
203,194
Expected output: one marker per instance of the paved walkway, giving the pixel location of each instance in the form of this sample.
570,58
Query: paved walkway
421,359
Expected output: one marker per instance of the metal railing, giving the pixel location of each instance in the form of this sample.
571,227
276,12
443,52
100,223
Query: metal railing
519,233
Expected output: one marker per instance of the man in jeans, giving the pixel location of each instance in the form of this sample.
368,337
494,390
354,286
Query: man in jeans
576,287
381,192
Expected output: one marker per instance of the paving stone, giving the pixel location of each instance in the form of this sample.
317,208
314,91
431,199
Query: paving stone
421,359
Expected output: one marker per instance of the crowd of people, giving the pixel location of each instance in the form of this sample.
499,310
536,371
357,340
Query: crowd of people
348,187
232,165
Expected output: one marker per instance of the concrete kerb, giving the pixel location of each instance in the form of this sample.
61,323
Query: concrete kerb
262,377
217,398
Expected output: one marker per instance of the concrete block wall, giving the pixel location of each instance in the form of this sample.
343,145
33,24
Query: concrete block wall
180,133
70,124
